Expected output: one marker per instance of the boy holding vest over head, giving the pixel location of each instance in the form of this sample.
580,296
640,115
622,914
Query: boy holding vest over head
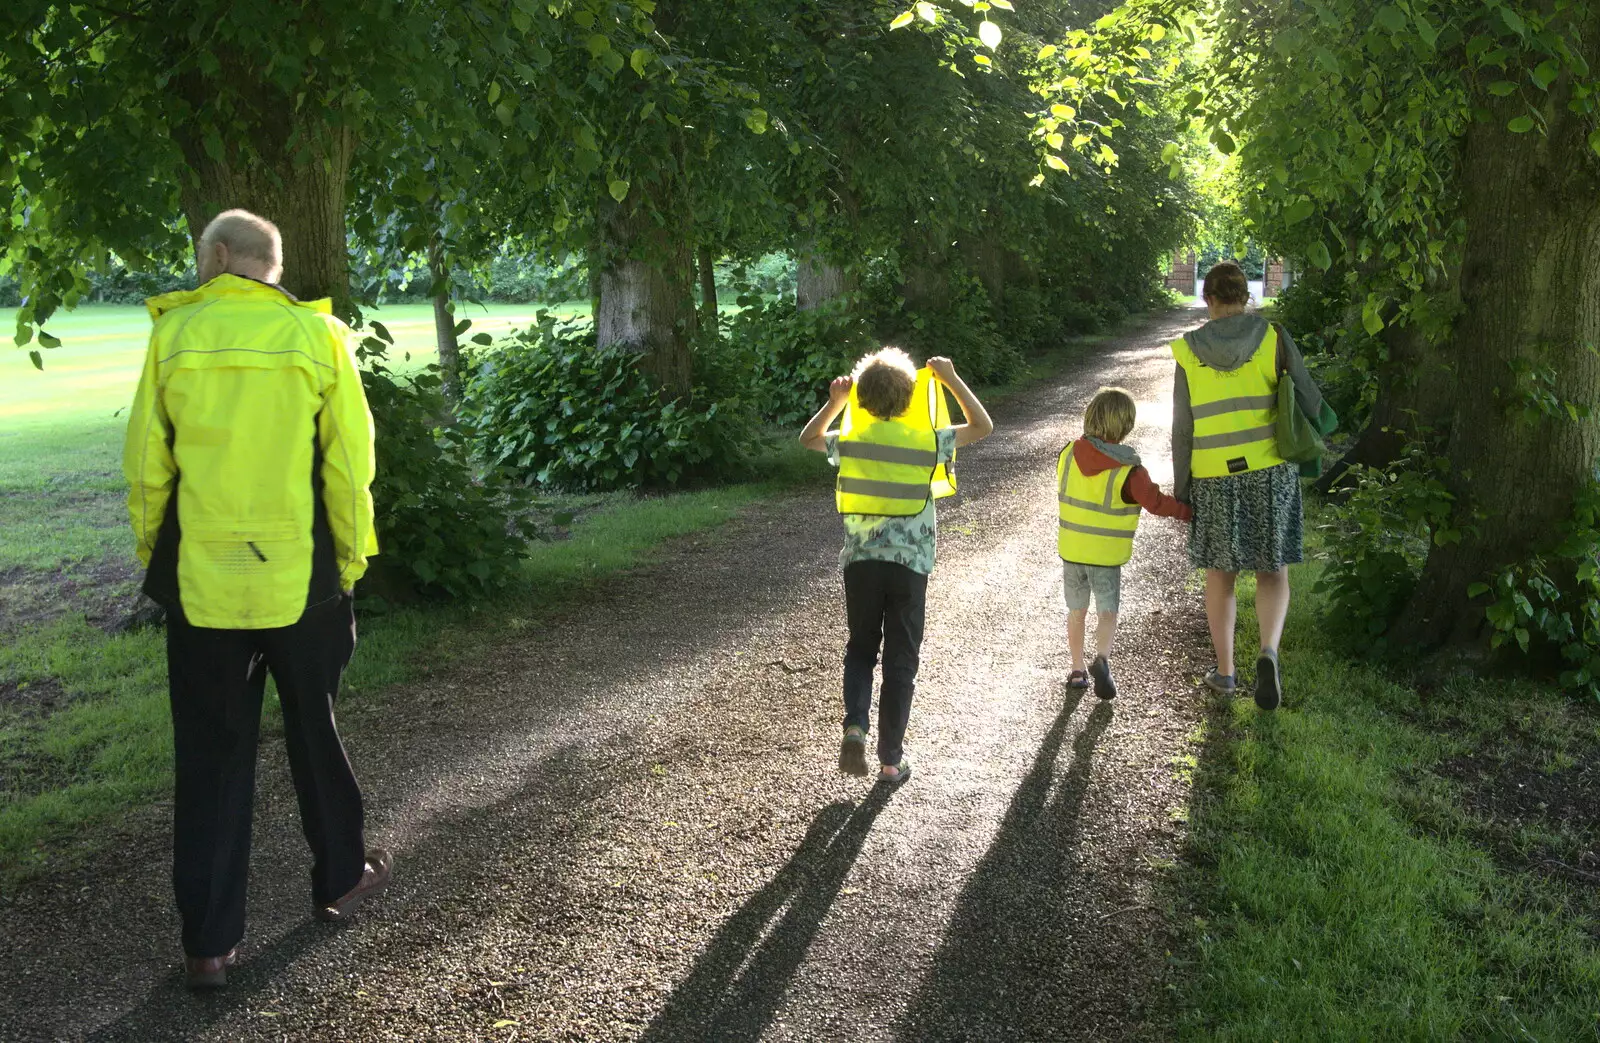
893,451
1101,488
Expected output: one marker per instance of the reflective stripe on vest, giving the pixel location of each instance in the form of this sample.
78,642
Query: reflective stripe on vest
885,467
1235,412
1096,526
929,411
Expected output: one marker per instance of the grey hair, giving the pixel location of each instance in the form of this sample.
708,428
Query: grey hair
245,235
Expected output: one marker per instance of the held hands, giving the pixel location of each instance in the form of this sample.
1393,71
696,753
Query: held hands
943,368
839,390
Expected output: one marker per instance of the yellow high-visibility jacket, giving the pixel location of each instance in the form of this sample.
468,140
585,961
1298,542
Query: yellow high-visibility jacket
1096,527
249,456
929,410
1235,412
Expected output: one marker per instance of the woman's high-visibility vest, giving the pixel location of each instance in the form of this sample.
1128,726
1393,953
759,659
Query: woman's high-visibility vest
929,411
1235,413
886,467
1096,526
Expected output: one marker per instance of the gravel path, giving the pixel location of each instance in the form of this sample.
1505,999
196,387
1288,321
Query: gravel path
628,824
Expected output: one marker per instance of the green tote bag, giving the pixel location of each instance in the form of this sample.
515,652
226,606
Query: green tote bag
1298,441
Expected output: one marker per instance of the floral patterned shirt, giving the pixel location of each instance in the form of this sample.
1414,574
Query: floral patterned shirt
905,541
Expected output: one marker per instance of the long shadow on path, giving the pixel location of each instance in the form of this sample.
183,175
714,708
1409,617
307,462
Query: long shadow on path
739,981
1003,969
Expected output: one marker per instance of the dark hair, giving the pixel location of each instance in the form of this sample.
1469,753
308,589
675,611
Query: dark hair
1226,284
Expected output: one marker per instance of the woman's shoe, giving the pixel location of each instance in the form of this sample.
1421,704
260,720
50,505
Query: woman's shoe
1269,684
1225,684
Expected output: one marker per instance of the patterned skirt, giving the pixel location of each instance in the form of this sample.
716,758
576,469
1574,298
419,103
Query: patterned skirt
1250,522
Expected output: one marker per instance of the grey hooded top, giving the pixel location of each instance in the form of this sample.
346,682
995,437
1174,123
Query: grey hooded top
1226,344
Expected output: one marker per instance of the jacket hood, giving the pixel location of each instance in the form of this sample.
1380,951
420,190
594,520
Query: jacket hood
1228,343
1103,455
227,285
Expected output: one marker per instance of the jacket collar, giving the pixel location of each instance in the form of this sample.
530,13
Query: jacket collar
234,286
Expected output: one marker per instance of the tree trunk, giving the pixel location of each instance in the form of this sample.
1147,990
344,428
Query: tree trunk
817,280
708,289
1531,293
646,277
303,194
444,321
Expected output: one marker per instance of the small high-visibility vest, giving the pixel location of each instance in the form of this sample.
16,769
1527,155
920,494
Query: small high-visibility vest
886,467
1096,526
929,410
1235,413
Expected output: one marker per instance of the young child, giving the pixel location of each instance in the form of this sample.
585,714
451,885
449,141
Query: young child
887,462
1101,488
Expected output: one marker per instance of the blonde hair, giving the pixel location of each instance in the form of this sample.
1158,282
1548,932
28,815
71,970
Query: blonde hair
1111,415
884,381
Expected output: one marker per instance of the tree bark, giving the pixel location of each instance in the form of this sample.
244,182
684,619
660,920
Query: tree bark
708,289
818,280
299,189
1531,292
444,321
646,278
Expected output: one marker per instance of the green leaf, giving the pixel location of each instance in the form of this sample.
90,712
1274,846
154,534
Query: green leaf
1594,141
638,60
47,340
927,12
1317,254
1055,162
1477,590
1063,112
1224,142
36,359
1371,321
1169,153
1513,21
989,33
1004,5
756,120
1047,51
1156,33
314,46
1392,18
1055,141
383,332
1545,73
902,20
1297,212
1502,88
1520,125
494,92
618,189
482,338
213,145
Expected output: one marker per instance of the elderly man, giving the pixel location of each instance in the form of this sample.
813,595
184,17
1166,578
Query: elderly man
249,455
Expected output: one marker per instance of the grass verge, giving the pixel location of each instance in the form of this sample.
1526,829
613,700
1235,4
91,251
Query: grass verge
1346,881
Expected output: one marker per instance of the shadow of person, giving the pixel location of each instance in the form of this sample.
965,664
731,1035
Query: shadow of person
735,987
1001,971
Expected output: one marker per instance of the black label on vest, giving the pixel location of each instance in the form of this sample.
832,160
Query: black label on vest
1238,464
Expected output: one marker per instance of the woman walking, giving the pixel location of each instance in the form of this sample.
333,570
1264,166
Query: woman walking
1246,498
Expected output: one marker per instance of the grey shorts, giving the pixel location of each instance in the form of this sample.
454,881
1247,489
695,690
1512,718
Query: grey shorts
1079,581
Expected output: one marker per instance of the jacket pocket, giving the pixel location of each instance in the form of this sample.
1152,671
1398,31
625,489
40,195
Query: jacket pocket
244,577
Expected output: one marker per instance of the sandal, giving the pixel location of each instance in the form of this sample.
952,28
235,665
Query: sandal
902,772
853,752
1078,679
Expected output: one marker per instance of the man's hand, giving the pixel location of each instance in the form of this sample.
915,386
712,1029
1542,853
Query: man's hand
839,390
943,368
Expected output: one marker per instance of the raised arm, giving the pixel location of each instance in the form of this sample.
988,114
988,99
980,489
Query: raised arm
978,424
838,395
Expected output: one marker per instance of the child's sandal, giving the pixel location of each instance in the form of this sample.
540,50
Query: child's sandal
853,752
1078,679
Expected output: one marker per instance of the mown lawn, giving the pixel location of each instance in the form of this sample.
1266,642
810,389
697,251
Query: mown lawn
1350,879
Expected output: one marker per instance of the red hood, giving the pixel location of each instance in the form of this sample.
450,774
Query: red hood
1092,461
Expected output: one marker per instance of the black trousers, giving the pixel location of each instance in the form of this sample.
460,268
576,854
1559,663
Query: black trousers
217,679
884,604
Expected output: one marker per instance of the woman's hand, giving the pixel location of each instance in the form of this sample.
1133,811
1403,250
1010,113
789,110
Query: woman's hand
839,390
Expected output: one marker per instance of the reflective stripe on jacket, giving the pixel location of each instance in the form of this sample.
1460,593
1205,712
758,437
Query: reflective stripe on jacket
1096,526
886,467
249,404
1235,412
929,411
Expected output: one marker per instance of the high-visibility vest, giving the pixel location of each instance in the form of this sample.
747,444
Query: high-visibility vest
1096,526
1235,413
886,467
929,410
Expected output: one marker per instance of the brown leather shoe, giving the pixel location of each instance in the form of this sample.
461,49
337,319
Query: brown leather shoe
374,878
208,972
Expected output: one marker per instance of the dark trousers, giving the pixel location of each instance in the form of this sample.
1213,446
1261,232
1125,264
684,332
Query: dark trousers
884,603
217,679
